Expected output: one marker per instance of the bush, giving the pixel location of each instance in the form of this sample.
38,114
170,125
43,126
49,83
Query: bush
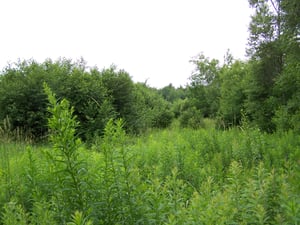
163,119
191,117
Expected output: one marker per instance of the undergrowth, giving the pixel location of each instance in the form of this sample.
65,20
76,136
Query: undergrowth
171,176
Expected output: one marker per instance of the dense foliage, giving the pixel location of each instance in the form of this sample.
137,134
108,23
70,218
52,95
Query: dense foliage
97,97
266,87
172,176
94,169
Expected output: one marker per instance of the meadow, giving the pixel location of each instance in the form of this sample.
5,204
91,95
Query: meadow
222,149
171,176
165,176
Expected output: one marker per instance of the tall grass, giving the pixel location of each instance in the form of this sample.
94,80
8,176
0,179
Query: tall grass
171,176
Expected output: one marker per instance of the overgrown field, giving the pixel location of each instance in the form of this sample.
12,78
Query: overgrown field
166,177
171,176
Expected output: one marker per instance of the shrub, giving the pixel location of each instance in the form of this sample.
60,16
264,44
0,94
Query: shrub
191,117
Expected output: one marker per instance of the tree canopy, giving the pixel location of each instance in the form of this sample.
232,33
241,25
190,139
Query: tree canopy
264,89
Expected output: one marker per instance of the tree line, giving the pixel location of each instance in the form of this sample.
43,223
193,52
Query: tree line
96,95
263,90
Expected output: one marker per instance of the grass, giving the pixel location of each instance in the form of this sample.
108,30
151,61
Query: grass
170,176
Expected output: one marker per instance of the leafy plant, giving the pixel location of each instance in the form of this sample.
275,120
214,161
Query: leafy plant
70,171
79,219
14,214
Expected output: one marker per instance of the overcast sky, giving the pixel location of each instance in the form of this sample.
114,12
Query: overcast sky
150,39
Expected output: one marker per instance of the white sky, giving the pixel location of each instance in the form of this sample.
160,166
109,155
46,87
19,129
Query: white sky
150,39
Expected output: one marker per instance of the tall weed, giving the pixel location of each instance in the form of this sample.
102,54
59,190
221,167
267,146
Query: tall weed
71,185
171,176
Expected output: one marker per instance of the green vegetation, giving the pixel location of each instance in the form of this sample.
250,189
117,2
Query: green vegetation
97,96
86,146
264,88
170,176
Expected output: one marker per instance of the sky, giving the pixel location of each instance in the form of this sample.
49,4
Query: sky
153,40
